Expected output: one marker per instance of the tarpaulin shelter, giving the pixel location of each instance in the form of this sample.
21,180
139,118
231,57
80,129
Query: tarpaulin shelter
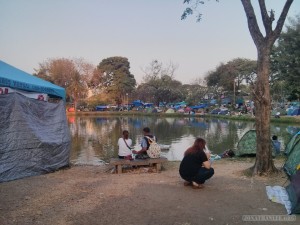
34,137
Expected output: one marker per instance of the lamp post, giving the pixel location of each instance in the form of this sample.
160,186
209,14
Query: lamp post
234,93
127,102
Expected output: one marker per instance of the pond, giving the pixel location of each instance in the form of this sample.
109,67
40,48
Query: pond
94,139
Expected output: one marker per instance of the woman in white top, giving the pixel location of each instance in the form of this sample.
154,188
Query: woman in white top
124,144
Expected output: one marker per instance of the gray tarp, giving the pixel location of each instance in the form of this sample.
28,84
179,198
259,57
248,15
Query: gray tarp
34,137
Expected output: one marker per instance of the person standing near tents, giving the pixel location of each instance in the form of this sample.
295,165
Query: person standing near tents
276,144
195,168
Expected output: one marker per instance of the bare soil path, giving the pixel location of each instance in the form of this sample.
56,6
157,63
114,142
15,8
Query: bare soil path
86,195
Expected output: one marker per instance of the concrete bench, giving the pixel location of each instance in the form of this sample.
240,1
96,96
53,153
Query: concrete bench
118,163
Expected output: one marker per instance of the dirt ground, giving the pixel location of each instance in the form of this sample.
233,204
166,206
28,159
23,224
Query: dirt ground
92,195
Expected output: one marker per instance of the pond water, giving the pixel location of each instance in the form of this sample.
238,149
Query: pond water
94,139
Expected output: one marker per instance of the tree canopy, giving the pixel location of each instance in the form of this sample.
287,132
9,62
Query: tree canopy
286,59
114,77
159,84
232,73
72,74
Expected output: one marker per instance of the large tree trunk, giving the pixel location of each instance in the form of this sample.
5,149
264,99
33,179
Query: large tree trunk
262,99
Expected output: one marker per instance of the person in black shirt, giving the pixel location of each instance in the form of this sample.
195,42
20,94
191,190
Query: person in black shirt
195,168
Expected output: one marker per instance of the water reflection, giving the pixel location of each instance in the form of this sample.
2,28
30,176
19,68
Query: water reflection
94,139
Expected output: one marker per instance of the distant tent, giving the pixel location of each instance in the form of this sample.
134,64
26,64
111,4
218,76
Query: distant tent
213,102
187,109
247,144
240,101
290,111
137,103
179,105
148,104
294,109
292,151
226,101
170,111
180,110
296,112
201,106
101,107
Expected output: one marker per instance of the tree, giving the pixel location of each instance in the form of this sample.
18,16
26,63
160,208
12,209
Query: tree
229,77
72,74
159,84
285,59
262,99
195,92
114,77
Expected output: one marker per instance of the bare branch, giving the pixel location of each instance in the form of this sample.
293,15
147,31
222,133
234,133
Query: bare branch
281,20
252,23
265,17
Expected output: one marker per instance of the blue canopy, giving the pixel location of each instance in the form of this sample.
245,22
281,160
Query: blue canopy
201,106
137,103
18,79
101,107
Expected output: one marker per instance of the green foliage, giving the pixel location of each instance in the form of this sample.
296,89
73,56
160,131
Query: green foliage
193,5
237,70
285,59
194,92
159,84
114,77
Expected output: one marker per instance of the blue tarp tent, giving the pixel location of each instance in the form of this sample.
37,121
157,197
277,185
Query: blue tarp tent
296,112
201,106
137,103
101,107
147,105
213,102
225,101
18,79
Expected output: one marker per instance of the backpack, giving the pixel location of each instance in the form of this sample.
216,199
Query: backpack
154,148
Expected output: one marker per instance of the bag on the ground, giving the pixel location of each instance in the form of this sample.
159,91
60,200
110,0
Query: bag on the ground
154,149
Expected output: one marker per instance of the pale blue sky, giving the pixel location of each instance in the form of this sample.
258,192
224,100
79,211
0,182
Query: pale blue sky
32,31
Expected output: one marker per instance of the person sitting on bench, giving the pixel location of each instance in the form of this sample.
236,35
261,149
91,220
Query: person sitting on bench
145,143
124,144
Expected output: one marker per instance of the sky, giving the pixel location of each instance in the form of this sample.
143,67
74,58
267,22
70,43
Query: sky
32,31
